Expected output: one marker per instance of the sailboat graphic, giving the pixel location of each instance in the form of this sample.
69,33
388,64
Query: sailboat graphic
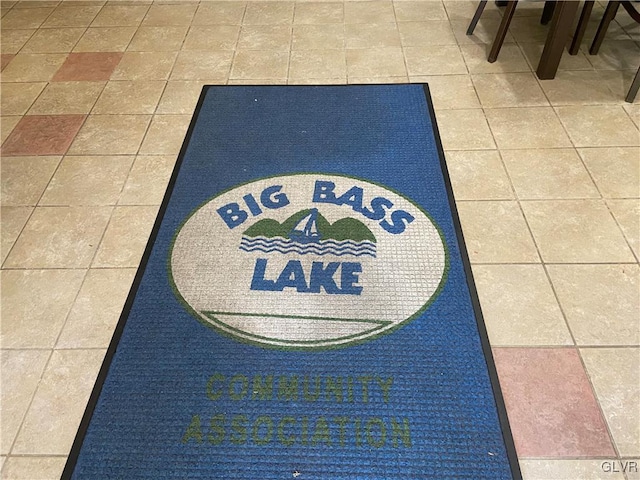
306,230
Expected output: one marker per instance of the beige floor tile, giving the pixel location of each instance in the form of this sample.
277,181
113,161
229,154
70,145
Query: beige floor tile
219,13
408,11
124,97
614,373
549,174
180,97
57,411
311,37
376,80
53,40
21,371
148,180
566,469
165,15
570,231
126,237
317,81
317,64
601,302
7,124
445,60
33,468
88,181
215,37
18,97
496,232
634,111
110,135
464,130
519,307
264,37
509,60
528,29
450,91
599,126
627,214
13,220
615,55
202,65
97,309
578,88
369,35
619,82
376,62
25,178
422,34
33,67
616,171
257,81
166,135
509,90
483,34
25,18
369,12
464,10
105,39
69,15
11,41
158,39
120,16
62,98
533,52
59,237
478,175
268,13
531,127
35,304
144,66
319,13
254,64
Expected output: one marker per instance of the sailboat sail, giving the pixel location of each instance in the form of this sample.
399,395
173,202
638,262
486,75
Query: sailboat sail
306,230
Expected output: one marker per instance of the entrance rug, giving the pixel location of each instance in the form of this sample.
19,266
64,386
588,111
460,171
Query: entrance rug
305,307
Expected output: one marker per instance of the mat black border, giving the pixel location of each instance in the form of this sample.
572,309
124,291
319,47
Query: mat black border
115,340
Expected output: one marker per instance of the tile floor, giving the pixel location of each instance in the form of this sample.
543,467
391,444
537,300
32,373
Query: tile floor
96,98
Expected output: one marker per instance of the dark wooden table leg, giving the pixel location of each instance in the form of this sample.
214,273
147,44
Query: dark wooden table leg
557,38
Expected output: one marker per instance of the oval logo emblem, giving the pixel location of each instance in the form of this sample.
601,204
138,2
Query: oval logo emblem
308,261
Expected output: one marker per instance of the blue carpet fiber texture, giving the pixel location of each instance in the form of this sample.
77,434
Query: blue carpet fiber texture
304,308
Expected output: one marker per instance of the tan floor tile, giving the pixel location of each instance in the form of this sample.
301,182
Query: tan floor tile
264,37
615,55
120,16
528,29
53,40
18,97
67,98
533,52
147,180
219,13
37,3
7,124
570,469
311,37
33,67
478,175
599,126
634,111
509,60
13,220
202,65
126,237
25,178
35,304
56,410
613,372
531,127
422,34
88,181
268,13
369,12
548,174
110,135
317,81
215,37
619,82
376,80
96,311
124,97
319,13
627,214
166,134
25,18
256,64
317,64
164,15
32,468
578,88
464,130
105,39
368,35
569,231
408,11
11,41
483,34
519,307
445,60
158,39
257,81
144,66
616,171
496,232
68,15
464,10
376,62
509,90
59,237
450,91
180,97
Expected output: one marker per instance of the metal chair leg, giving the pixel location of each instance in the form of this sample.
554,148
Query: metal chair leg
476,17
635,85
502,31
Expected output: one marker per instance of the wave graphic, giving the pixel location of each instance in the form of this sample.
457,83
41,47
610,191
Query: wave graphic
323,247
